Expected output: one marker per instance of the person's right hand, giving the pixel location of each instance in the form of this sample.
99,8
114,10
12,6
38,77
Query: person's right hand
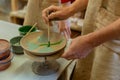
57,13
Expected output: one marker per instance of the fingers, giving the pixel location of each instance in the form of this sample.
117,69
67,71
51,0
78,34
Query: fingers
68,31
45,12
64,29
67,35
71,53
68,56
60,13
45,16
68,26
55,16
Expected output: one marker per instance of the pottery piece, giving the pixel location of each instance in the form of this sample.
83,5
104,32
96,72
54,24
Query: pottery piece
36,43
42,66
39,58
5,54
4,49
5,63
24,29
15,43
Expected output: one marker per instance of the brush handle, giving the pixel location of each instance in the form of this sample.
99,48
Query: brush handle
48,33
48,36
31,28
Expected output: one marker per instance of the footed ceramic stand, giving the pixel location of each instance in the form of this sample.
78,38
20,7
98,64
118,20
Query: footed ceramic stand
45,68
42,66
36,46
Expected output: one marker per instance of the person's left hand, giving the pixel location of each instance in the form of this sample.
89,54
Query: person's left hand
64,28
79,48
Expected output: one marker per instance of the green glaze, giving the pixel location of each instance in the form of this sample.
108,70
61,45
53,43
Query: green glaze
57,42
45,48
32,46
46,44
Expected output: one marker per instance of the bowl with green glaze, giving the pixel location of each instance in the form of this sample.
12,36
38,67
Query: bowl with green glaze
37,43
15,45
24,29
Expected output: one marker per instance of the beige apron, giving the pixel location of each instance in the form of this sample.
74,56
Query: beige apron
104,63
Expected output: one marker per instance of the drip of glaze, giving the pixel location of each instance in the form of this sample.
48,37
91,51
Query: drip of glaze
48,44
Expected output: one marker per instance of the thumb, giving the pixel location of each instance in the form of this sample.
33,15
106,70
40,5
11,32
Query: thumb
65,54
67,49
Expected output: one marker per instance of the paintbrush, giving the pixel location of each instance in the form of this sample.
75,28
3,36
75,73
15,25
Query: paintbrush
48,35
31,28
48,13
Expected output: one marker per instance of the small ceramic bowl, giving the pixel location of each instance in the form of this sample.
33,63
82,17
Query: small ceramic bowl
24,29
15,43
5,63
4,48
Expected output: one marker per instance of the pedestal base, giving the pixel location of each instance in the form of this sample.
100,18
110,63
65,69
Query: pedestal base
45,68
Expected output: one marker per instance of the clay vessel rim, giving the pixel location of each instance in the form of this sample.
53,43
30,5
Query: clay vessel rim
8,47
9,58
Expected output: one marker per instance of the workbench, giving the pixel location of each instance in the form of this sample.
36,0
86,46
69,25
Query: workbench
20,68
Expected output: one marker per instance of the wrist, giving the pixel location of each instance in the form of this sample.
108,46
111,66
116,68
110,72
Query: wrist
93,40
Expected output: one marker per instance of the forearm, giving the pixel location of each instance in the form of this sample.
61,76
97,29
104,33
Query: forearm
78,5
61,13
107,33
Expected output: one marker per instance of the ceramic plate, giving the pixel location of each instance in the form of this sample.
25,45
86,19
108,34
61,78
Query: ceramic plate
37,43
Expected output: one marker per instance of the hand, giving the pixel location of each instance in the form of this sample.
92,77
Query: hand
58,12
64,28
79,48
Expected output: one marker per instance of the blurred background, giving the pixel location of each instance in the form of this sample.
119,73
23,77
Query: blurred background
5,8
12,10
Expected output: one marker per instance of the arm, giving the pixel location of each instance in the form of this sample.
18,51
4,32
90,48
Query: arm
91,40
79,5
107,33
64,12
